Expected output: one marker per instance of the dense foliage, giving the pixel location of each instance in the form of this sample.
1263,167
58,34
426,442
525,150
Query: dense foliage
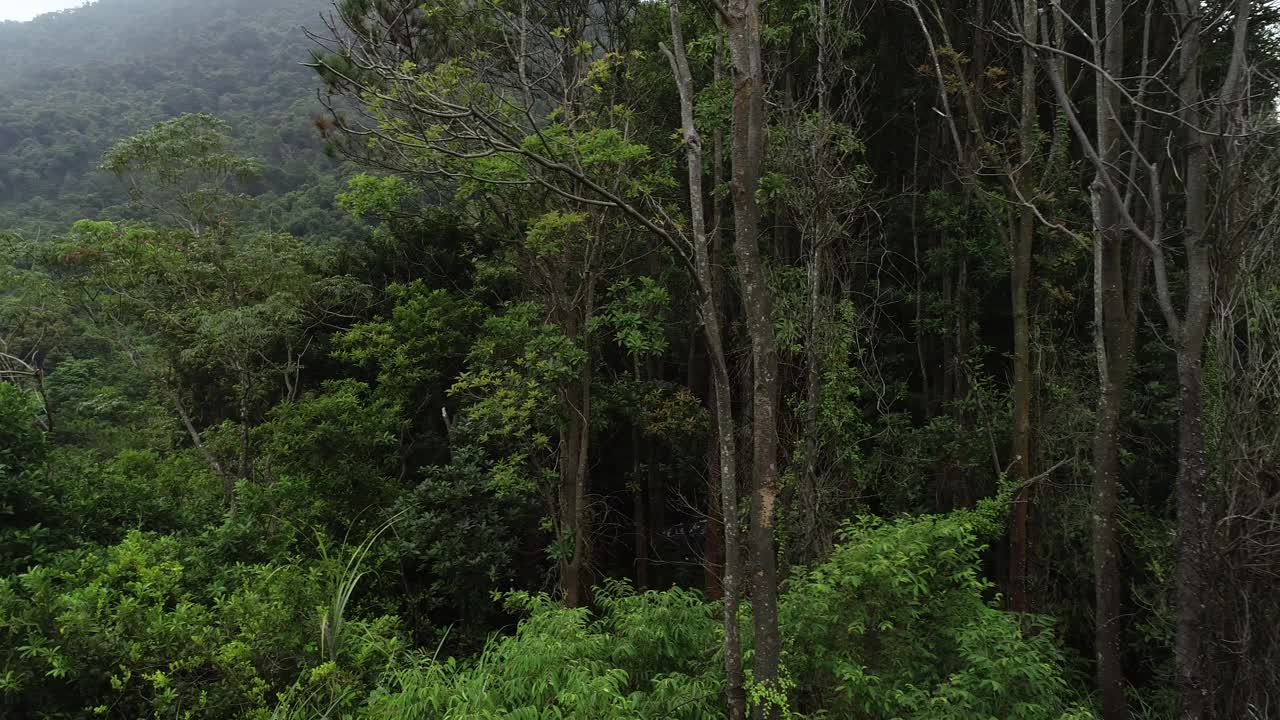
557,359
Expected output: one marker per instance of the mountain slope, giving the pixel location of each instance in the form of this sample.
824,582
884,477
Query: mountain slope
77,81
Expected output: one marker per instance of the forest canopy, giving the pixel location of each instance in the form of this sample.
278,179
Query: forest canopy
607,359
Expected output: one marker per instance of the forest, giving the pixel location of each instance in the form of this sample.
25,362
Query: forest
604,359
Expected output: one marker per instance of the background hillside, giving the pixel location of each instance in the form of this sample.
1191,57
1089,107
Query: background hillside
79,80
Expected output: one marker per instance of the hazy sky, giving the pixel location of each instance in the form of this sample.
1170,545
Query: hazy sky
27,9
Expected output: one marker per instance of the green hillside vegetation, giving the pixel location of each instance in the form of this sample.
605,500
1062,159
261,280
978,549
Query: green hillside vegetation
77,81
554,360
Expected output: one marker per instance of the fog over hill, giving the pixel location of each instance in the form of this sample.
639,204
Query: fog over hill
77,81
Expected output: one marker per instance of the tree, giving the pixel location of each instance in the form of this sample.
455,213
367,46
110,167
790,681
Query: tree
748,140
710,314
184,170
1114,194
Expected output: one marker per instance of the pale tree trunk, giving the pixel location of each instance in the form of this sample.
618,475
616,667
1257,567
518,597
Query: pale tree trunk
722,389
646,496
568,507
228,480
1118,334
1115,309
581,547
713,568
575,445
1230,247
809,494
714,279
197,438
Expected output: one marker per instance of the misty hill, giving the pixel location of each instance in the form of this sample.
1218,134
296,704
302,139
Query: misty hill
76,81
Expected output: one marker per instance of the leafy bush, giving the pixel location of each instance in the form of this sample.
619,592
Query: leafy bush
138,489
27,504
896,624
154,627
326,460
459,541
642,656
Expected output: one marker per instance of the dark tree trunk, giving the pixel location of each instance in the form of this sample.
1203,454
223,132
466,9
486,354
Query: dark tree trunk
1193,472
1120,321
640,498
714,563
1020,278
748,145
574,452
1116,334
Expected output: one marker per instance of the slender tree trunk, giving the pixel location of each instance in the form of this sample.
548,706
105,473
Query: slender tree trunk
1106,492
945,494
748,145
731,577
1193,467
1106,563
722,388
228,480
1193,472
1021,440
809,510
1116,342
1120,330
575,448
955,493
714,566
578,565
640,494
246,464
1194,572
570,580
921,337
1020,277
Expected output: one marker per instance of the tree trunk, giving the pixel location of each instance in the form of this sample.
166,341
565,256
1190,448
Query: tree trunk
1120,314
1106,562
246,464
1119,329
1193,469
714,564
1193,472
808,495
1021,439
640,494
578,566
570,580
1116,342
1020,277
575,445
722,388
228,480
731,577
747,151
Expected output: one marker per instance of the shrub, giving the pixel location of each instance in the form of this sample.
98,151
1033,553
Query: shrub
150,628
650,655
896,624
